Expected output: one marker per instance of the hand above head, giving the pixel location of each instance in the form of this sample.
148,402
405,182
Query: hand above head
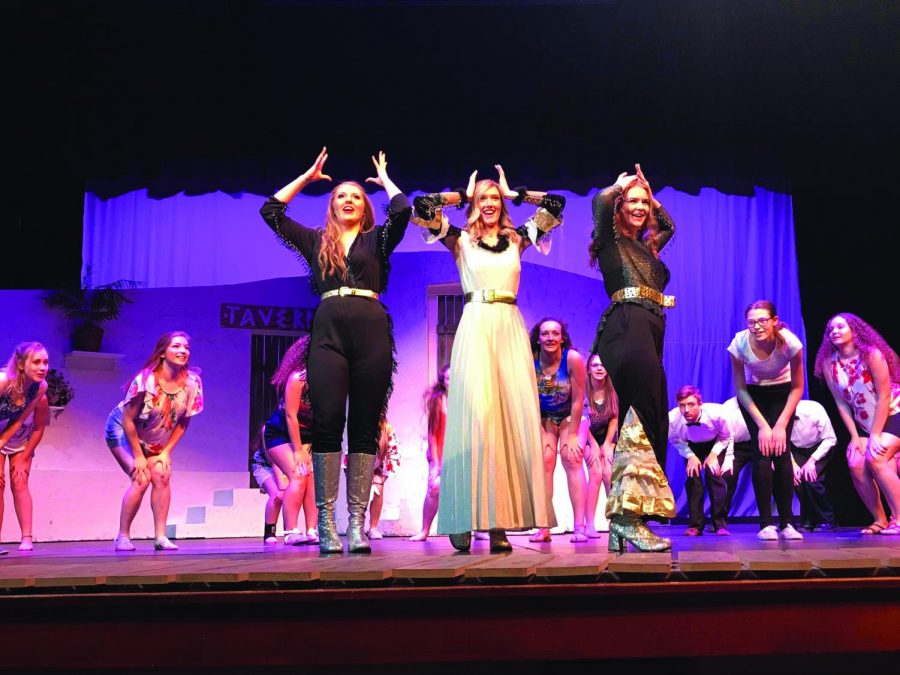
640,175
624,179
470,188
314,172
380,169
504,185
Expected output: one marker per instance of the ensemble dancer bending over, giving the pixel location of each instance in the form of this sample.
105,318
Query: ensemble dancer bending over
288,436
630,229
560,376
273,482
767,365
436,422
351,342
597,437
701,434
811,440
24,413
146,426
863,375
492,476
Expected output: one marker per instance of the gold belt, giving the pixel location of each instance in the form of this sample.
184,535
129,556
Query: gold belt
632,292
490,295
344,291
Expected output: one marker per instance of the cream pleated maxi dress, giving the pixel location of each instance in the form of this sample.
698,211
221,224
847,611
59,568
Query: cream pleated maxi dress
492,475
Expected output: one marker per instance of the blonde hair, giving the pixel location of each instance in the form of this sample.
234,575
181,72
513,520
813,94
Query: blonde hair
15,369
474,223
331,253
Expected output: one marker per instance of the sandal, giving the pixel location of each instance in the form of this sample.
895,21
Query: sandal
892,530
578,537
874,528
540,537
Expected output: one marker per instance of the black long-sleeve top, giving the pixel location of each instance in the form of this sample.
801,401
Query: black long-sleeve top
368,259
628,262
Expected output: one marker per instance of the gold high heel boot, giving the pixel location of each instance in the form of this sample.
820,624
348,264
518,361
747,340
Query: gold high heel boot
632,529
360,470
326,479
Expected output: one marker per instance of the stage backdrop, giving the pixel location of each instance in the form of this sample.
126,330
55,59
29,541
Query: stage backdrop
194,253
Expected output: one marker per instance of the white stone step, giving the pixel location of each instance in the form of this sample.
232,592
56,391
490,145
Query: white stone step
234,512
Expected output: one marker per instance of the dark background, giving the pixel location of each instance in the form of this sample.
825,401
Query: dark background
799,97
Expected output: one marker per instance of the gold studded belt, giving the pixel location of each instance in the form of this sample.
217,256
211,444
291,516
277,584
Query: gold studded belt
344,291
490,295
645,292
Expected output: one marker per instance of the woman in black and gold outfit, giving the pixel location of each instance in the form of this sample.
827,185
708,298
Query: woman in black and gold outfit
630,228
351,344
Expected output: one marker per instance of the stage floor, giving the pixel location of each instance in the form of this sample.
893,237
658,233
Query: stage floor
88,566
237,603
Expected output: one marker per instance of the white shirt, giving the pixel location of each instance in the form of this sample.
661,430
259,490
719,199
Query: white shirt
811,426
775,368
712,425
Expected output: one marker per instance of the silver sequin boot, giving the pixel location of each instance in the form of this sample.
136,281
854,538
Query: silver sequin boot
327,478
360,469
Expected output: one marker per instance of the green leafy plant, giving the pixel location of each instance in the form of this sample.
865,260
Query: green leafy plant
90,306
59,391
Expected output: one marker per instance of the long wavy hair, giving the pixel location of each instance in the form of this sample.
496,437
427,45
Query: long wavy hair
648,234
610,408
768,306
474,223
332,256
432,399
15,369
294,359
154,361
866,339
535,335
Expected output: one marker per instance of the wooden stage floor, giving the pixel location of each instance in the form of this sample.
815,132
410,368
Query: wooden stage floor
236,602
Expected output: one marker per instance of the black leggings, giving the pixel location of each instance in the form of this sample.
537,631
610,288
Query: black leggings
631,348
350,354
771,401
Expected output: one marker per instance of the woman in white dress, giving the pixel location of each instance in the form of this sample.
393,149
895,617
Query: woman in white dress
492,474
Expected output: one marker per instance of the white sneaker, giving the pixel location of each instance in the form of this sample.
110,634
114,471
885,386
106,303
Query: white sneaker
27,544
790,533
769,533
270,541
123,543
312,536
375,533
294,538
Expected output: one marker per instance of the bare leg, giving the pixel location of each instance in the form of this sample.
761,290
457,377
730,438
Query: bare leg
550,440
283,457
134,495
273,503
2,487
592,498
865,485
375,507
574,468
885,472
308,498
161,494
19,470
430,507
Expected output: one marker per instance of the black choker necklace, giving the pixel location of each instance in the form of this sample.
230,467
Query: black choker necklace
501,245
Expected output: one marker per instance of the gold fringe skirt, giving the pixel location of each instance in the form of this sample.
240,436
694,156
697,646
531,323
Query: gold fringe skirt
639,485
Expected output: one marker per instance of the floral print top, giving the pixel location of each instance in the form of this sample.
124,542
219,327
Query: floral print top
854,381
161,411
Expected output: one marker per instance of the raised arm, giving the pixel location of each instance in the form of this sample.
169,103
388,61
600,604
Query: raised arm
663,219
390,234
429,213
292,234
546,218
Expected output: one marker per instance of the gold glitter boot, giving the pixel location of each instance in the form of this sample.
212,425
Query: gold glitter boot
632,529
327,477
360,470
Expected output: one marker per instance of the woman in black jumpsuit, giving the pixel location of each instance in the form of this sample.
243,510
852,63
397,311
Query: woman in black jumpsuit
351,344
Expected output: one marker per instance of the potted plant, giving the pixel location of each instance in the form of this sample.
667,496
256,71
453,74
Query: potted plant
90,307
59,392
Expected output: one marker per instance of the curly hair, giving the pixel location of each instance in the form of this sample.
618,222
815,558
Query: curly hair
331,252
294,359
648,234
474,224
866,339
535,335
15,368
